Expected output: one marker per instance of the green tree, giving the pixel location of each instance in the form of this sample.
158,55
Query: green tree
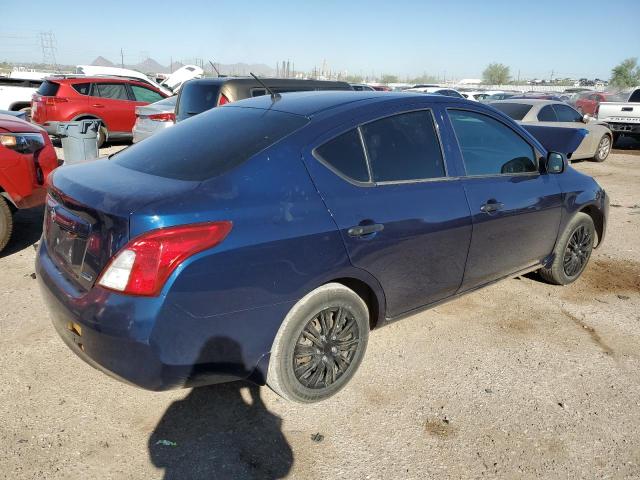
389,79
626,74
496,74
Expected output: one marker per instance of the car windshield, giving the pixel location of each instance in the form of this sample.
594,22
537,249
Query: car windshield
196,98
517,111
209,144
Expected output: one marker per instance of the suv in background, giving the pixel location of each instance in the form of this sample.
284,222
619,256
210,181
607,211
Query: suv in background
588,104
113,101
197,96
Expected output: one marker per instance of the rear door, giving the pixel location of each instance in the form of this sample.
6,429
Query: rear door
514,208
110,102
401,217
568,117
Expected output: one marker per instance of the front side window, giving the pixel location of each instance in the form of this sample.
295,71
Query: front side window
567,114
489,147
404,147
114,91
345,155
547,114
142,94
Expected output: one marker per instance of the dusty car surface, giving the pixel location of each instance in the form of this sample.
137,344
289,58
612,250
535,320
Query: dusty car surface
269,256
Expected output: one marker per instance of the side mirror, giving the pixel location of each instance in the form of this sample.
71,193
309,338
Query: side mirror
555,163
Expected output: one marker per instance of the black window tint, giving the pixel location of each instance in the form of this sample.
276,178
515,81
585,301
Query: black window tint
114,91
82,88
403,147
567,114
517,111
143,94
196,97
489,147
546,114
210,144
635,96
258,92
345,154
48,89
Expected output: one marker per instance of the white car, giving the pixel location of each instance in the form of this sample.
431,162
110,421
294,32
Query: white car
169,86
447,92
16,93
475,95
154,117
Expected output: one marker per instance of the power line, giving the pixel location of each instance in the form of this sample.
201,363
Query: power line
48,45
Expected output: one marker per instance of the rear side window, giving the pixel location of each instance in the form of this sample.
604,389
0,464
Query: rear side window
547,114
196,98
635,96
567,114
517,111
82,88
345,155
489,147
211,144
142,94
114,91
403,147
48,89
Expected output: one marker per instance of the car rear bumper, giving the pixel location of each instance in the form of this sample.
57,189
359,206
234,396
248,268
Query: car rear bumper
147,343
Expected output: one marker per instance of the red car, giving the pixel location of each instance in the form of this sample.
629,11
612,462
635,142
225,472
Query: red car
588,104
113,101
27,157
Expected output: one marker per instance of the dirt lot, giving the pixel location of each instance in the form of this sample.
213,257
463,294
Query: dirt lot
520,380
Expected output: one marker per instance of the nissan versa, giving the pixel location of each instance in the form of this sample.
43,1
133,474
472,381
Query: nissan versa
263,240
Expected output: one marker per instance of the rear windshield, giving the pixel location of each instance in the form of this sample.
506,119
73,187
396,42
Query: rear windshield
517,111
196,98
210,144
48,89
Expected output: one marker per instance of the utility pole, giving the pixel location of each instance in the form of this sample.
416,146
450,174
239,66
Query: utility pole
48,44
121,58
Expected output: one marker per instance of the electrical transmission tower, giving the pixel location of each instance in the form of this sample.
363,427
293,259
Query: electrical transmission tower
48,44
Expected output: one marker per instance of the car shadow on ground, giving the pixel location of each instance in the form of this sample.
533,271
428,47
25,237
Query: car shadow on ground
217,432
27,229
625,144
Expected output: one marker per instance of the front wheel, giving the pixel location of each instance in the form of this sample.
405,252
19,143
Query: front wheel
319,345
572,251
604,148
6,223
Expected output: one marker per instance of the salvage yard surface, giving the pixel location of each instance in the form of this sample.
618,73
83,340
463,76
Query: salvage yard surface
519,380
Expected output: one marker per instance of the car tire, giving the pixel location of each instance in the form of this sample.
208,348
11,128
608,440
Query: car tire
604,148
319,345
572,251
6,223
103,134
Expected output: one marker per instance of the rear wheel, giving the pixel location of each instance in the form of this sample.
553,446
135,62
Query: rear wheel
320,344
6,223
604,148
572,251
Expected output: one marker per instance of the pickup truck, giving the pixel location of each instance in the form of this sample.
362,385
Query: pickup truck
16,93
623,118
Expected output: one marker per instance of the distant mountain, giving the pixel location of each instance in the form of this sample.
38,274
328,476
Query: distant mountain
102,62
151,66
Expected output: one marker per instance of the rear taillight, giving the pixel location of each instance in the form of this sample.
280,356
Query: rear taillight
54,100
163,117
143,266
223,100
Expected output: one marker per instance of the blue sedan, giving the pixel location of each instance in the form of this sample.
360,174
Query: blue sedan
264,239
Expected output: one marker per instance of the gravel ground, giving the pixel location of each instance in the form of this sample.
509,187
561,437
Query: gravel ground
519,380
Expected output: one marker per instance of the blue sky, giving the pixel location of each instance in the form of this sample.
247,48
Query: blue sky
572,38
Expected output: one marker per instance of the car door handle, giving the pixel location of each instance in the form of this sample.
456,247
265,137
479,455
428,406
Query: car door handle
98,105
362,230
491,206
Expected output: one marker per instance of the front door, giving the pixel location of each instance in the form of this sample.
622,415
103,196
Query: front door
514,208
401,217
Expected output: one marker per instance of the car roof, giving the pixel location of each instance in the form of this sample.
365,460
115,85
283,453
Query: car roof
98,78
531,101
311,103
267,81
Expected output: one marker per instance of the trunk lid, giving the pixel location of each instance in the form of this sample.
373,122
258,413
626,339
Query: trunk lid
87,214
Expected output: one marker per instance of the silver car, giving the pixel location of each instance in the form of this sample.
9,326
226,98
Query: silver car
154,117
596,145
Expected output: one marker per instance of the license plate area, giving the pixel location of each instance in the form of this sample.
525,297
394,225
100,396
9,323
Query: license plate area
67,235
